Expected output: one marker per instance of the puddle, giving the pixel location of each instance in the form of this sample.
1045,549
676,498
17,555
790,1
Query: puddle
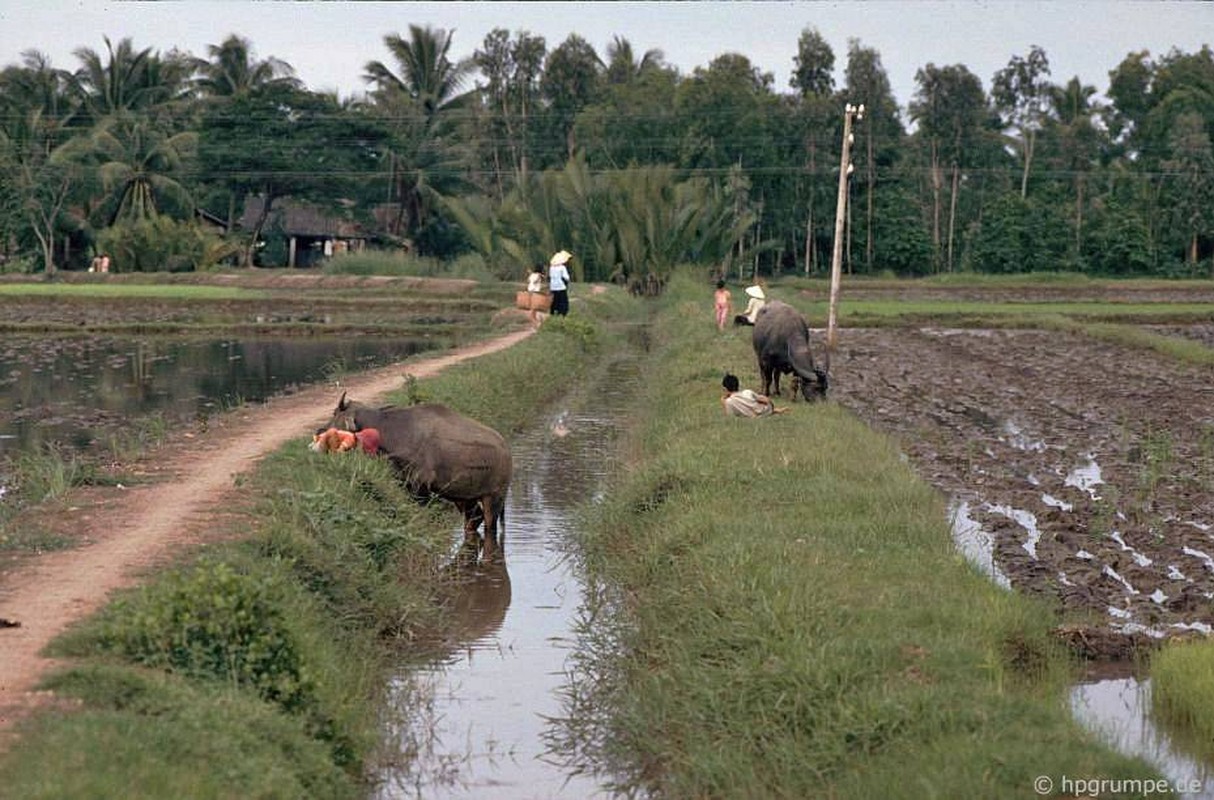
1086,477
1117,708
976,543
492,701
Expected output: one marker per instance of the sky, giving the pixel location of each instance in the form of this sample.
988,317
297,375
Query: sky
329,43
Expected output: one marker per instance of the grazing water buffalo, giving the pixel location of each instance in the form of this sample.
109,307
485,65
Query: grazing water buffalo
781,342
437,452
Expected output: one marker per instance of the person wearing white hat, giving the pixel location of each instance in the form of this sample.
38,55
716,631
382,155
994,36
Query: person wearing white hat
757,300
558,282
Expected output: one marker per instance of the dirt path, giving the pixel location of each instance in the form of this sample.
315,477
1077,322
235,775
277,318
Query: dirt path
128,530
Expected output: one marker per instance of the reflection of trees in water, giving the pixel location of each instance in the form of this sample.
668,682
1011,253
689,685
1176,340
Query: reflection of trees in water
73,389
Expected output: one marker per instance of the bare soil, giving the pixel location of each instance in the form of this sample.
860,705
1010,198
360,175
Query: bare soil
180,500
1088,465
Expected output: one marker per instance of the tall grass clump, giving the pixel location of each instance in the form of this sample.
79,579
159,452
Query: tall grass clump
1182,694
401,265
793,620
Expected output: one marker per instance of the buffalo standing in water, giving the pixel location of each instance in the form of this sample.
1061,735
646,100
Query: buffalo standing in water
781,342
438,452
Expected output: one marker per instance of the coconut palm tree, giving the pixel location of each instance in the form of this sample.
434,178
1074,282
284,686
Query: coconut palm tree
1076,141
419,104
37,113
622,64
427,76
232,71
129,80
137,164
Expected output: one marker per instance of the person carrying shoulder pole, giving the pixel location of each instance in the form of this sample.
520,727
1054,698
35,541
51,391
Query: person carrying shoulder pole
558,282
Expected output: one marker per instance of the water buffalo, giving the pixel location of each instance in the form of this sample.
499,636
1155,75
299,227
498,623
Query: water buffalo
781,342
437,452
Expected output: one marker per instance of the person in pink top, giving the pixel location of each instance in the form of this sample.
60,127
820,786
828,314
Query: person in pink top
722,304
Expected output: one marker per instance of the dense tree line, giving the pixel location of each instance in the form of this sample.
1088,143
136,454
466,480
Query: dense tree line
521,150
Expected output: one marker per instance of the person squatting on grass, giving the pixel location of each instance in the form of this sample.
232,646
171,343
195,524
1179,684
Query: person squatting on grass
558,282
746,402
757,300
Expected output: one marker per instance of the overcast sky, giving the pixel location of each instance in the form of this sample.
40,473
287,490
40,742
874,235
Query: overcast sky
329,43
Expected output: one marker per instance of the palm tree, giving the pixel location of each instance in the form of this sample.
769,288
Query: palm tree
36,84
427,76
37,112
418,105
233,72
129,80
136,164
622,65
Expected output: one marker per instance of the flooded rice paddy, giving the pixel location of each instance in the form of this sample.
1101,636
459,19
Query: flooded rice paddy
78,391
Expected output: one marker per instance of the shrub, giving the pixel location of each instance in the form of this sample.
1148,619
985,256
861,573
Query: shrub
160,244
212,622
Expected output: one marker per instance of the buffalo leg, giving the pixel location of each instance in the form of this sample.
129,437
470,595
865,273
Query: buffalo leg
473,517
766,373
488,512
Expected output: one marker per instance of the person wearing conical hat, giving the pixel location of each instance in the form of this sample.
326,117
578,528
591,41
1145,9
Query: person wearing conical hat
757,300
558,282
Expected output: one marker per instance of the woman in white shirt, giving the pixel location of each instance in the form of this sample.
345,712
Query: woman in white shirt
756,302
558,282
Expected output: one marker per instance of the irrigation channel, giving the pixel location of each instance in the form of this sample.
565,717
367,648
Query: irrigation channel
492,701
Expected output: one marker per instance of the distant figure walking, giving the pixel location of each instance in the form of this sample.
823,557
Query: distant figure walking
722,305
757,300
558,282
535,286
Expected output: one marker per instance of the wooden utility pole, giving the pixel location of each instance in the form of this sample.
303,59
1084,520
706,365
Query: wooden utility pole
850,112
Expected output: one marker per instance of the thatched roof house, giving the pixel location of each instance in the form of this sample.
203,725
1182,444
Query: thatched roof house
313,233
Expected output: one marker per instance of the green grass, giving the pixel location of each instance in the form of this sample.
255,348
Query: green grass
795,621
378,263
258,667
157,291
1182,694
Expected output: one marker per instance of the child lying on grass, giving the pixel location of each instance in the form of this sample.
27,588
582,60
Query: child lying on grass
339,441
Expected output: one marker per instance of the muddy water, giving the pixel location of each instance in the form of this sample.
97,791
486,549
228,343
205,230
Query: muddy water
492,701
1117,706
76,390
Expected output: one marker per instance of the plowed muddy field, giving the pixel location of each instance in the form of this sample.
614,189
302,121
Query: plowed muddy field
1077,470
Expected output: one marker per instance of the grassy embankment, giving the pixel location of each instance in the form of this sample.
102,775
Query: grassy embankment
796,621
1182,691
256,667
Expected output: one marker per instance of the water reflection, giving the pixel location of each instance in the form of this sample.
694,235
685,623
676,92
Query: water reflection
492,698
476,596
1118,709
73,390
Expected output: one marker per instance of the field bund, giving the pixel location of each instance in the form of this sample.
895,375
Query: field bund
791,618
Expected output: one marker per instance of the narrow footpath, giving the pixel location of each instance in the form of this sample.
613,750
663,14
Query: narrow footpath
129,530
